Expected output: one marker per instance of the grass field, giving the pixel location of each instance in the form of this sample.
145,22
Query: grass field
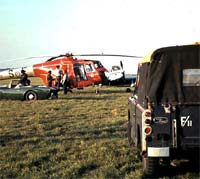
80,135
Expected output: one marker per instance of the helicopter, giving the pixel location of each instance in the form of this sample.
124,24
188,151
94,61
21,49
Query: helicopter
81,72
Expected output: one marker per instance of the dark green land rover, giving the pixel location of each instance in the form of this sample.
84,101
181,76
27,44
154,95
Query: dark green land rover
164,110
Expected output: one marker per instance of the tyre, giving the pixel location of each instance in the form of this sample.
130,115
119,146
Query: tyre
54,95
150,165
129,131
134,136
31,95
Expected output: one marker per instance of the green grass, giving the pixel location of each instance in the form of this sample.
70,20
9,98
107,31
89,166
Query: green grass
80,135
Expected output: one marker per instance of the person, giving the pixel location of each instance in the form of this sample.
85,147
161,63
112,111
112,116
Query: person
49,79
24,78
58,73
65,82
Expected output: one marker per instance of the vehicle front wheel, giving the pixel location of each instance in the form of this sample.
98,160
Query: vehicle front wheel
31,95
54,95
150,165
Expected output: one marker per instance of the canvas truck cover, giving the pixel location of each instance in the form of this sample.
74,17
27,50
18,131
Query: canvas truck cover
173,75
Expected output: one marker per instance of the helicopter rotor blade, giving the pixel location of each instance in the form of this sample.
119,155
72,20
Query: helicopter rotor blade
51,57
114,55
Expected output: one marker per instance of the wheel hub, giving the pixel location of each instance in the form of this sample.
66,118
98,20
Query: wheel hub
31,97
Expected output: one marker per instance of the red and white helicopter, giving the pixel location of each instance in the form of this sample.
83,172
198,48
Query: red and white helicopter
81,72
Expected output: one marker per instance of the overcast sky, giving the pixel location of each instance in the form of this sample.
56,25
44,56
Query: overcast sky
132,27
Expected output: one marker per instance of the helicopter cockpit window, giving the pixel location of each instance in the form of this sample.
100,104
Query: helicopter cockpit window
88,68
191,77
79,72
98,64
115,68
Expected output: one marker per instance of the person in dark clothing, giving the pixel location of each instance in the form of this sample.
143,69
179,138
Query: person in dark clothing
24,78
49,79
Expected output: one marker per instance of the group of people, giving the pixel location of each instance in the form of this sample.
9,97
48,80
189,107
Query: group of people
61,79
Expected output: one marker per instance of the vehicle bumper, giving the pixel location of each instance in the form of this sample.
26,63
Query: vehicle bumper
158,151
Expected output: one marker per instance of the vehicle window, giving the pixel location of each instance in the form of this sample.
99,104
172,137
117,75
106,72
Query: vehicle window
79,72
191,77
88,68
137,79
98,64
115,68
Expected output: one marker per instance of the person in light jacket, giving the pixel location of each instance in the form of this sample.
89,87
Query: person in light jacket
65,82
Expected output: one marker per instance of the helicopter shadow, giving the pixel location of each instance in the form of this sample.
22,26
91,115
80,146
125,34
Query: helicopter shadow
106,91
84,97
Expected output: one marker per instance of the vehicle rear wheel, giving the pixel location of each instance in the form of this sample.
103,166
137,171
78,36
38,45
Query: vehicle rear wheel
150,165
54,95
129,131
31,95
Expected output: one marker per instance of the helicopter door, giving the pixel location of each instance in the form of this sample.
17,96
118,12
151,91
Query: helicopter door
79,72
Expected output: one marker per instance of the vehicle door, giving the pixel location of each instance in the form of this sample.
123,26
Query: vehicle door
80,75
